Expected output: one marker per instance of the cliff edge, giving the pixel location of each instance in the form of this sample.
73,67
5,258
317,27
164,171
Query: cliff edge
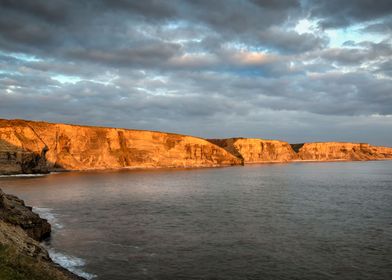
21,255
331,151
252,150
39,147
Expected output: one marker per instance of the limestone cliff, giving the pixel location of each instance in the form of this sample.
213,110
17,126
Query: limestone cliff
257,150
29,147
39,147
21,255
329,151
264,151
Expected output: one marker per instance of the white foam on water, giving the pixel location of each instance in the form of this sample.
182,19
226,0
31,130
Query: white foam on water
73,264
47,214
23,175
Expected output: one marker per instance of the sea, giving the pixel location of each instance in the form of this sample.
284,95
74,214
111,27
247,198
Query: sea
324,220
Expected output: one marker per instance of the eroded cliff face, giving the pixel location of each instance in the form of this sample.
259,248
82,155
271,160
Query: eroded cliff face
257,150
264,151
330,151
39,147
28,147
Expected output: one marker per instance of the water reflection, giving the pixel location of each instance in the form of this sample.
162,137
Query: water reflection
277,221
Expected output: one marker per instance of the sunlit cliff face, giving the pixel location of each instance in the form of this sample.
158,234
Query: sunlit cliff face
293,70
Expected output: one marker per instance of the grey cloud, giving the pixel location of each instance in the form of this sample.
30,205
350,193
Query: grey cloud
209,68
149,9
381,27
16,35
385,68
58,25
271,4
291,41
51,11
148,54
355,56
336,13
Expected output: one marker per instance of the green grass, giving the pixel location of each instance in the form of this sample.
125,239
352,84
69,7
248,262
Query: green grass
14,266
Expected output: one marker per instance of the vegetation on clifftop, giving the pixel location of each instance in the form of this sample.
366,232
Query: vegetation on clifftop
15,266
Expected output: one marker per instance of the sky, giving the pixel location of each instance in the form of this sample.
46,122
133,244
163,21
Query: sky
298,71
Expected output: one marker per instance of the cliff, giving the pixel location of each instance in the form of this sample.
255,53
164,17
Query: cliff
30,147
330,151
40,147
21,255
15,212
257,150
266,151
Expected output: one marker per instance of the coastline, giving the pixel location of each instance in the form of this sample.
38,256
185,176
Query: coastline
22,256
141,168
33,147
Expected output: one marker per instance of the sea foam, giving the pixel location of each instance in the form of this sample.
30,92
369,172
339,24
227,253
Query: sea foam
72,263
47,213
23,175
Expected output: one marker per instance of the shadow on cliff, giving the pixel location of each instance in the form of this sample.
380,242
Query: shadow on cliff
19,160
297,147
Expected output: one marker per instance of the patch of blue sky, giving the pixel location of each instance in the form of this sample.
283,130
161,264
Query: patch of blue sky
338,36
247,71
65,79
69,79
9,73
353,33
240,46
21,56
175,24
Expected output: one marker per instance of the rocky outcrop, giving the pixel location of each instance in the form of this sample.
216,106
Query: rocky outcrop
29,147
18,159
257,150
15,212
21,254
330,151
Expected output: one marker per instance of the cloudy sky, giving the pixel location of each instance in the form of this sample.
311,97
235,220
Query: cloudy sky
291,70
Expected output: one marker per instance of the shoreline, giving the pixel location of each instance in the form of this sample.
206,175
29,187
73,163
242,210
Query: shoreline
33,147
92,170
22,253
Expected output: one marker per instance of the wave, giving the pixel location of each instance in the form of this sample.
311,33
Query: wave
47,214
23,175
73,264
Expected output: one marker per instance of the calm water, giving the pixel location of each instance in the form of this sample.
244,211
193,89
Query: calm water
280,221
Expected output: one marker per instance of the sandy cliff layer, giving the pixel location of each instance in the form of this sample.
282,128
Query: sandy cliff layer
21,255
257,150
28,147
328,151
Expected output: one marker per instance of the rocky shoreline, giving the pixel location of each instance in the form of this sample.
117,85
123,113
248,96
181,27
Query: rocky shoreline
21,254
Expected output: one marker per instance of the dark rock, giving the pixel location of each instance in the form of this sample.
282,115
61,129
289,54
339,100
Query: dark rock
14,211
21,255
